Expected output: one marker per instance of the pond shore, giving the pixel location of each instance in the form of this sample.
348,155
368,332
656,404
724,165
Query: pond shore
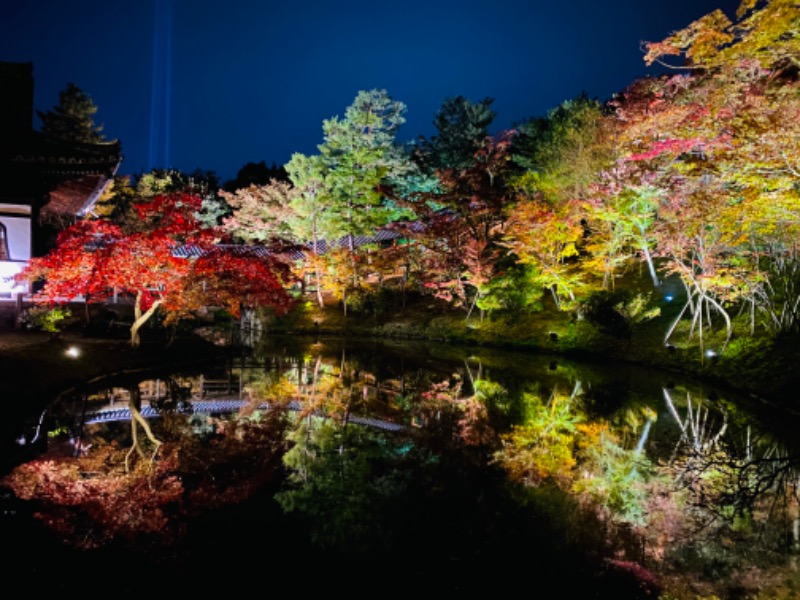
763,369
36,368
33,364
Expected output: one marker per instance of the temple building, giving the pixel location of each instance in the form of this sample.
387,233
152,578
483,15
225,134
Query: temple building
46,183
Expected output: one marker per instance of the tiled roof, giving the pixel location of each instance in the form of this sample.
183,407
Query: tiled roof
190,251
358,240
297,253
35,167
60,157
74,197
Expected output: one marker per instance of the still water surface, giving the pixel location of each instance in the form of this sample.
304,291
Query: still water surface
377,467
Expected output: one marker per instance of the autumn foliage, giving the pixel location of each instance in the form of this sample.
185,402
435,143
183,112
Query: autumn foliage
693,173
92,501
166,259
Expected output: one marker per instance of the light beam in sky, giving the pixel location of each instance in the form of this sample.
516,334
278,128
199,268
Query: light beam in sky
161,91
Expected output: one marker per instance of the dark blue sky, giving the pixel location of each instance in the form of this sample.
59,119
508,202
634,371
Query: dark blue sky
241,81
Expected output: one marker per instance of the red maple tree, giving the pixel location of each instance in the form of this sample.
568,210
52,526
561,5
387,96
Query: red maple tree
167,259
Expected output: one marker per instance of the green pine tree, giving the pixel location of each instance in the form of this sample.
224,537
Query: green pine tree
72,118
462,126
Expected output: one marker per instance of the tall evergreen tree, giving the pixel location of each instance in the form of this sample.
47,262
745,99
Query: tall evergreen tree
462,127
307,175
72,118
344,188
361,155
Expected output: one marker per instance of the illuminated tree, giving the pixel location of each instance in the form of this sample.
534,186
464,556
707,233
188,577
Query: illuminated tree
623,208
718,146
160,182
116,200
98,260
561,155
360,155
562,152
342,189
670,152
307,175
260,213
747,72
766,32
546,238
460,222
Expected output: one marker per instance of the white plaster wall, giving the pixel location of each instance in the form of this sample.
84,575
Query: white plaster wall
18,230
18,233
7,272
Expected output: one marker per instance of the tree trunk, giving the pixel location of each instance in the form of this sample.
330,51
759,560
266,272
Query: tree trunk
141,318
650,265
134,405
317,276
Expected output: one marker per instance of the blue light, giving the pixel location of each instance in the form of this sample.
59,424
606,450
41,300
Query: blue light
668,298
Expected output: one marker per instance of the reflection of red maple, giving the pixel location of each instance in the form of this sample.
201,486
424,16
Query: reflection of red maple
92,501
92,511
96,259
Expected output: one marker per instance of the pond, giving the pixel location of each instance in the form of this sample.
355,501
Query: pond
397,467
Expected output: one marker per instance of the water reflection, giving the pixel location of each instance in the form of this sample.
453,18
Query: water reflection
463,471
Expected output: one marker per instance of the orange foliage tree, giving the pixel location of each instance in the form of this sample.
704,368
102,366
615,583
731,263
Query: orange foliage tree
717,146
459,224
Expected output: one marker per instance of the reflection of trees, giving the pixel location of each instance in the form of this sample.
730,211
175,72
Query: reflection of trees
722,497
736,480
343,386
337,476
697,428
144,442
542,448
616,478
558,442
137,421
717,482
98,498
351,481
422,504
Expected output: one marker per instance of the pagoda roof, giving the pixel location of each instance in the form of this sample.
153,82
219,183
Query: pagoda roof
74,197
61,158
63,177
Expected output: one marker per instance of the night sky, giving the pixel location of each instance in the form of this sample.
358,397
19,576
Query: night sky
197,84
